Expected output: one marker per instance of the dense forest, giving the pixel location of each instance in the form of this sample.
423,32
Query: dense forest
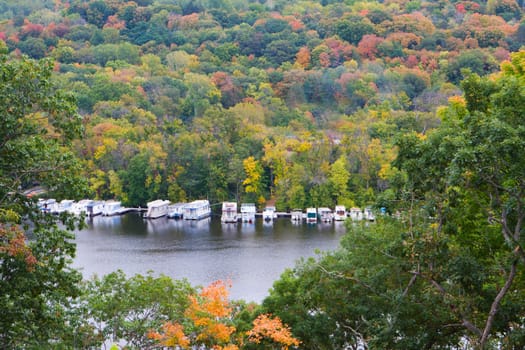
415,106
294,101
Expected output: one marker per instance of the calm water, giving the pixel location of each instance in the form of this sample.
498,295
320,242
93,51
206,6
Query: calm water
252,256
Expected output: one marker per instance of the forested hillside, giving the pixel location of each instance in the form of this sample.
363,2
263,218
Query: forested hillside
304,103
297,101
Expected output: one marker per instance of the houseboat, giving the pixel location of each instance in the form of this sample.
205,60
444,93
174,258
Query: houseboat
65,206
229,212
340,213
80,207
311,215
325,214
112,208
297,215
269,213
48,205
368,214
248,212
95,208
157,209
356,214
176,211
197,210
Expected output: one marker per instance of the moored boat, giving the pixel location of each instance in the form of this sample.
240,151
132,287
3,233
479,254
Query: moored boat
311,215
296,215
340,213
157,208
197,210
95,208
229,212
65,206
112,208
80,207
176,211
368,214
269,213
356,214
48,205
325,214
248,212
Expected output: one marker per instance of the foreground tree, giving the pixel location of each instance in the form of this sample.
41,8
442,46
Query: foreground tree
211,321
37,284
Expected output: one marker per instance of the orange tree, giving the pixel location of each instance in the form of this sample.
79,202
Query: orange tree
210,321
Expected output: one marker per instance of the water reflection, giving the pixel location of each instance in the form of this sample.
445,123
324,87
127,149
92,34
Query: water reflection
251,255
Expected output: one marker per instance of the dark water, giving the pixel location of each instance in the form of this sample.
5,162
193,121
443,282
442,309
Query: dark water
251,256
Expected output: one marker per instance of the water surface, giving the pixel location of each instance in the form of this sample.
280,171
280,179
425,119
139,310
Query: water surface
252,256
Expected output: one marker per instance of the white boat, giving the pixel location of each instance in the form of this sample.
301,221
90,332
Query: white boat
325,214
176,211
48,205
269,213
229,212
340,213
112,208
80,207
311,215
157,208
95,208
297,215
248,211
197,210
356,214
65,205
369,215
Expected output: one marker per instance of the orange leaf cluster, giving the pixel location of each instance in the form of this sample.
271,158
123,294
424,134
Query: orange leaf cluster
190,21
115,22
271,329
303,57
13,243
172,335
213,302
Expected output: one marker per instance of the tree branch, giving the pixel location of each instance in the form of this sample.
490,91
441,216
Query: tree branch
496,303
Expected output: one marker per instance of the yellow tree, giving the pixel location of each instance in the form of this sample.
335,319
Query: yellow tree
253,170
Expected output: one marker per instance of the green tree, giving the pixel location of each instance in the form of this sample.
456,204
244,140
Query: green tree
124,310
37,283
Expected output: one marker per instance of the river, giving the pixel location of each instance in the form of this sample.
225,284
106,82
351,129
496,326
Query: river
251,256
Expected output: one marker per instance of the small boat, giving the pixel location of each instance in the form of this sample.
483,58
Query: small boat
229,212
176,211
95,208
297,215
157,208
248,211
368,214
112,208
311,215
197,210
340,213
325,214
269,213
356,214
65,206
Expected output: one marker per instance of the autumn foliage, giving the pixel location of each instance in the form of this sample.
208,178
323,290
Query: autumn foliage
209,322
13,245
268,329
